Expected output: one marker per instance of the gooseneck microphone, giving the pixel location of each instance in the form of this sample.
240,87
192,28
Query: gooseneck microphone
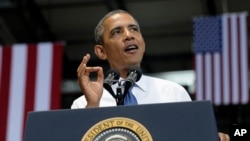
111,77
134,75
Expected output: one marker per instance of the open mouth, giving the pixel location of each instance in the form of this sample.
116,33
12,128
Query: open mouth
131,48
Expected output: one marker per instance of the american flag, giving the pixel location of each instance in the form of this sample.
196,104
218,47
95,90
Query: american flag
30,77
221,58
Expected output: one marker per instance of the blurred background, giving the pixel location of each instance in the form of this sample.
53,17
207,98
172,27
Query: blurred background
166,25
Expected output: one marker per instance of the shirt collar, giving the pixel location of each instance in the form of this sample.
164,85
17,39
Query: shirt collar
142,83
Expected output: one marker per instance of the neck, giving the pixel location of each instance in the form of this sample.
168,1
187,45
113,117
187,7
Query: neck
123,71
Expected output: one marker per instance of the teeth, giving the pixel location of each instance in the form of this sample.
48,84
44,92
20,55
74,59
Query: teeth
132,47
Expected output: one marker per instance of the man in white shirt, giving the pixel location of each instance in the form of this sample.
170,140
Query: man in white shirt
120,42
147,90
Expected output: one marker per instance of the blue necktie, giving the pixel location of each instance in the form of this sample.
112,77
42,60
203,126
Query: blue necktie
130,98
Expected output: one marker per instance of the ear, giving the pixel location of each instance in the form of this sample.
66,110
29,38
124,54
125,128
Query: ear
100,52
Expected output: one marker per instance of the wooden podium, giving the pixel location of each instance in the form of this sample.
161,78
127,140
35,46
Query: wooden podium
182,121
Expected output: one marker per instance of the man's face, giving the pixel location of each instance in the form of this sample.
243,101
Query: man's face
122,41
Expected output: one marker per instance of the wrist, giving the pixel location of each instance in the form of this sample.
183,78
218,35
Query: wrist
92,105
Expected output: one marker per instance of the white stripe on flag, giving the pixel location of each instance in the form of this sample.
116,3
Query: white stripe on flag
225,64
234,66
199,70
223,76
17,92
244,58
44,69
16,98
208,75
217,78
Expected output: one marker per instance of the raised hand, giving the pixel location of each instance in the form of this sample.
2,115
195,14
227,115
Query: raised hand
91,89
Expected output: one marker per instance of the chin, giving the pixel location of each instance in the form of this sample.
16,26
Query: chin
134,65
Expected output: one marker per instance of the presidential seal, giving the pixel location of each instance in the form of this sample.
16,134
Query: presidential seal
117,129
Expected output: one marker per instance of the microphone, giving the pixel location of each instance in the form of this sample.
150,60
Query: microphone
111,77
134,75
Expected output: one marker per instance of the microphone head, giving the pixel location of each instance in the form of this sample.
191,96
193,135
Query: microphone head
114,74
137,71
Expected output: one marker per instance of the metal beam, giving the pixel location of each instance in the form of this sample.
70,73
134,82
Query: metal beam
211,7
224,4
42,28
116,4
5,35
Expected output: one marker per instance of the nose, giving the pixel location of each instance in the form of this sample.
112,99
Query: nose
128,34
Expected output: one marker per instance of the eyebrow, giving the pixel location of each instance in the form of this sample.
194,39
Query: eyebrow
115,28
133,25
119,27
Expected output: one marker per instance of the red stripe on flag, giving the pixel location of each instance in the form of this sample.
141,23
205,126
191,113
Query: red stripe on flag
56,76
30,85
222,76
30,81
4,90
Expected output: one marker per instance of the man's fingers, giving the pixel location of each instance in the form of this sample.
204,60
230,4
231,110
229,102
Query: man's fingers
89,70
83,71
83,74
100,75
85,60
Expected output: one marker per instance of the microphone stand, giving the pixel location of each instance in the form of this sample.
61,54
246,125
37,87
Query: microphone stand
121,92
119,95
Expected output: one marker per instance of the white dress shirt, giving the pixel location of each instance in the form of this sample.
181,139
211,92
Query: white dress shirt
148,90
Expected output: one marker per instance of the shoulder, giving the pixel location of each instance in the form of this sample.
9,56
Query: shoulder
166,85
165,88
161,81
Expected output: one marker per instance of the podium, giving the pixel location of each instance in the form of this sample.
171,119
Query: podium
181,121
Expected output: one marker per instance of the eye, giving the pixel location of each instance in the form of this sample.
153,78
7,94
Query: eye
116,32
134,28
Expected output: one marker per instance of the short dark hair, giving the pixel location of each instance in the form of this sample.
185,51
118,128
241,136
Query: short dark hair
99,29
